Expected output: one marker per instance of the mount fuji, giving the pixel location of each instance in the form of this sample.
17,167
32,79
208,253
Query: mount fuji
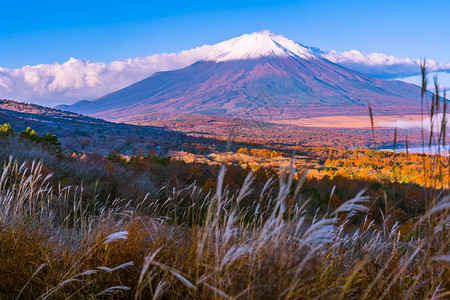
258,75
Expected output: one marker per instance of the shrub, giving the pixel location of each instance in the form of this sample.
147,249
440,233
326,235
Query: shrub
6,130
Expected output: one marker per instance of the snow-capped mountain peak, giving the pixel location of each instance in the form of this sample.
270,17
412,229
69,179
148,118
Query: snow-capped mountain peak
256,45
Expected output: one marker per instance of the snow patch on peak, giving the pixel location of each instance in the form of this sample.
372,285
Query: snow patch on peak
256,45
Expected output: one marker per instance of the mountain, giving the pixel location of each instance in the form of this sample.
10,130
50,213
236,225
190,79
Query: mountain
259,75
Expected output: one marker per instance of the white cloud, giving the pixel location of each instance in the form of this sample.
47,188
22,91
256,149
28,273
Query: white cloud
381,65
78,79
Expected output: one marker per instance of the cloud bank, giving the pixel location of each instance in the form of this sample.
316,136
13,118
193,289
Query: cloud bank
381,65
77,79
74,80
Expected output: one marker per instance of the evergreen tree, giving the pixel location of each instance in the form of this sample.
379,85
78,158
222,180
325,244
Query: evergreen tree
29,134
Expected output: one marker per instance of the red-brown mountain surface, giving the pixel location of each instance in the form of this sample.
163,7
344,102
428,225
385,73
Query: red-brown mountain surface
258,75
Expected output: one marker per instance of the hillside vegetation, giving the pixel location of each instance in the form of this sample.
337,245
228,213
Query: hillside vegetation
244,234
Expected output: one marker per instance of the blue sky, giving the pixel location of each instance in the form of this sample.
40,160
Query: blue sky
34,32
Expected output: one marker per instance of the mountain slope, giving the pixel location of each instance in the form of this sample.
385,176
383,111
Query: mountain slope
259,75
103,136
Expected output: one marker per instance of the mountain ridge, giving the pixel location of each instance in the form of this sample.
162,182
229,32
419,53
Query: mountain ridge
292,79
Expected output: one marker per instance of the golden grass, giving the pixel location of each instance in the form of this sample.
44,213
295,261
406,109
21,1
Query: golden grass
53,247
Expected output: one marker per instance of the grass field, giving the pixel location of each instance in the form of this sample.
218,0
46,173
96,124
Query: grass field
55,245
350,121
